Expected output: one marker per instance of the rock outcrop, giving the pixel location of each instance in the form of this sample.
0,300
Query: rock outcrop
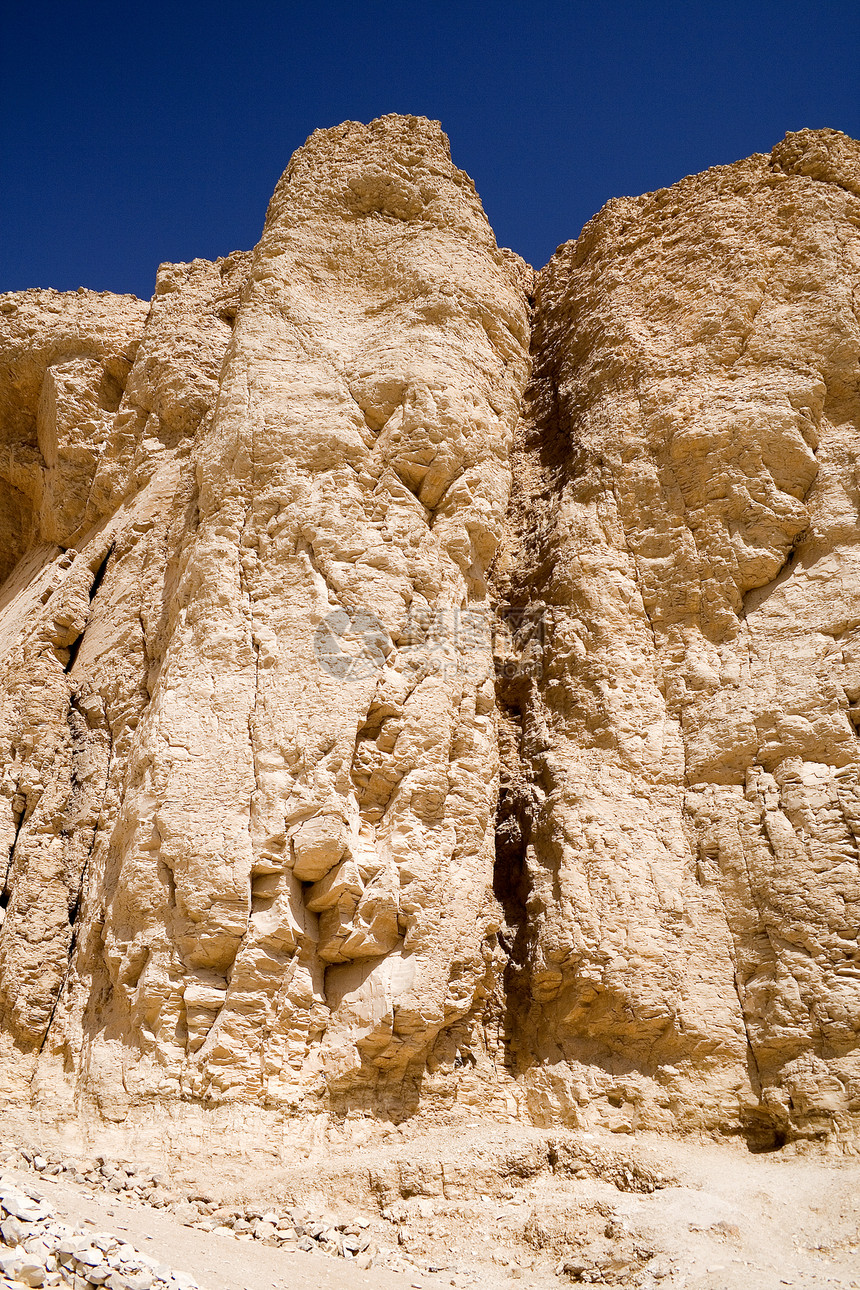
681,820
253,771
273,616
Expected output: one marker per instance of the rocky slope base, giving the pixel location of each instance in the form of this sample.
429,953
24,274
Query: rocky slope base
492,1206
428,686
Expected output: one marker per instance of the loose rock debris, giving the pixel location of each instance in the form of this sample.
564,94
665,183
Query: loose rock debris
40,1250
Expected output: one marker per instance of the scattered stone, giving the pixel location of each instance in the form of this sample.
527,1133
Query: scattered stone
106,1260
30,1272
186,1213
13,1231
264,1231
39,1251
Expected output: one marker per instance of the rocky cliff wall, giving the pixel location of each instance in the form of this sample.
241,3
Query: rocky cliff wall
680,812
274,618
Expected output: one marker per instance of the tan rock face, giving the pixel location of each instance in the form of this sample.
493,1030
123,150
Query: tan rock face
261,562
683,811
262,836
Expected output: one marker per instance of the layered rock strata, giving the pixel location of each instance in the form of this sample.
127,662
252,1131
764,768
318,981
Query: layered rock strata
262,560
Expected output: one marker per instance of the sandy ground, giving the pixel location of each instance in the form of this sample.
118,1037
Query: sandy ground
216,1262
507,1206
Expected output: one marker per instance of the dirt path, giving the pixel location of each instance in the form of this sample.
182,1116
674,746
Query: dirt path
217,1262
510,1207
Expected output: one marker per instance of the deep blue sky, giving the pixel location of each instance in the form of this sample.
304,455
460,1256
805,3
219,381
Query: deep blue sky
132,134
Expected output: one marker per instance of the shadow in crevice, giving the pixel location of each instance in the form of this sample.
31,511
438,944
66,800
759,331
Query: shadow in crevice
98,579
765,1140
512,887
761,1133
546,458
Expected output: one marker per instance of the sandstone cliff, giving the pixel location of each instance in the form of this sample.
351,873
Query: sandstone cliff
681,816
273,609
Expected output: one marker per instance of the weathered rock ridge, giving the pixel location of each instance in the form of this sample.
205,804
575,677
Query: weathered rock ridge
422,683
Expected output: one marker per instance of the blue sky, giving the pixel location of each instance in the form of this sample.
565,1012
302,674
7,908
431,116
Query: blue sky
131,135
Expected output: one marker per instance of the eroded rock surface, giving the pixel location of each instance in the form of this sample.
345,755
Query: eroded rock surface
681,818
253,770
271,613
